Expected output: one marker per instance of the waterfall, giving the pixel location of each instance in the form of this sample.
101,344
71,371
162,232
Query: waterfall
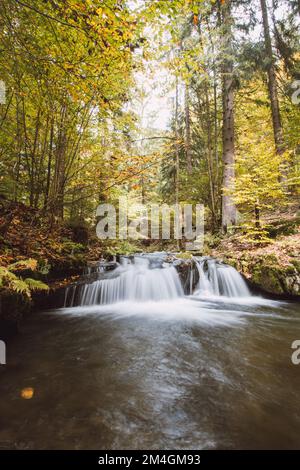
134,279
218,279
143,278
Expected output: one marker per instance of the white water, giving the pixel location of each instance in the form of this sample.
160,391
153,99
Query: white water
148,279
132,281
217,279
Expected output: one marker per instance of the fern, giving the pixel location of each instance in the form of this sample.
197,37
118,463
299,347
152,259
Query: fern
33,284
11,282
20,287
23,265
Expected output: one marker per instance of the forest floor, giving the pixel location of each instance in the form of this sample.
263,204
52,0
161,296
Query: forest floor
275,265
59,249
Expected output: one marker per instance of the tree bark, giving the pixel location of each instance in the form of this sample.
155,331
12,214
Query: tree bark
49,164
209,156
257,215
188,130
272,86
177,162
60,166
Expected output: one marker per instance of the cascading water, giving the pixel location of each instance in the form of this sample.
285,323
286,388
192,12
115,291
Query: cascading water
218,279
150,278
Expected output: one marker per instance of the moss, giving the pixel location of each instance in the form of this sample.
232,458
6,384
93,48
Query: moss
290,270
212,240
231,261
296,264
184,255
268,278
284,227
270,259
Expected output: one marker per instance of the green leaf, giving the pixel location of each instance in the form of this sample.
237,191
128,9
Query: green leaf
34,285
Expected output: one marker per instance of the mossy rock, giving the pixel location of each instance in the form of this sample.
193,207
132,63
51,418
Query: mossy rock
277,280
268,278
184,255
232,262
296,264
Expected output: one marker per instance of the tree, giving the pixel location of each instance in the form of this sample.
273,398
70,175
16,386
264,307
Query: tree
75,64
273,87
257,186
228,206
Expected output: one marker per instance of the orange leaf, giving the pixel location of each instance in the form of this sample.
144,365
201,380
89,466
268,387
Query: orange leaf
27,393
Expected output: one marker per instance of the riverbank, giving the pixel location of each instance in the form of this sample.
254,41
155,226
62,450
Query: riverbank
58,252
274,268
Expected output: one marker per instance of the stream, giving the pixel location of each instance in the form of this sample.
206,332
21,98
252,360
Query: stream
131,362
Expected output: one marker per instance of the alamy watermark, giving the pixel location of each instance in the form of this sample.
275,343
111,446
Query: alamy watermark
155,222
2,352
296,354
2,92
296,95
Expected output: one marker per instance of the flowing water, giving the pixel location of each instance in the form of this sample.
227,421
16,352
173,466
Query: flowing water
138,280
135,363
219,279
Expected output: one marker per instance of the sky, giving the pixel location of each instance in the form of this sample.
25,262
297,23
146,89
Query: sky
156,109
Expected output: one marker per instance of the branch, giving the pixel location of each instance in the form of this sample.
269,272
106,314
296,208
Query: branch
116,183
46,15
152,138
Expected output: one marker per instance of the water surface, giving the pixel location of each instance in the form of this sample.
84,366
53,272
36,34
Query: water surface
187,373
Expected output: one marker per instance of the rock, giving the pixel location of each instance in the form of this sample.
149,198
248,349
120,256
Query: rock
268,274
189,276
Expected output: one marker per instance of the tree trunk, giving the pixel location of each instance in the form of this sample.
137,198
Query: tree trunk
216,131
60,167
272,85
18,149
209,157
228,206
257,215
176,145
177,163
33,188
188,130
49,164
215,115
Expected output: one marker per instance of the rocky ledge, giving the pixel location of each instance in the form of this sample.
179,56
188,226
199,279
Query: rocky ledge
274,268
